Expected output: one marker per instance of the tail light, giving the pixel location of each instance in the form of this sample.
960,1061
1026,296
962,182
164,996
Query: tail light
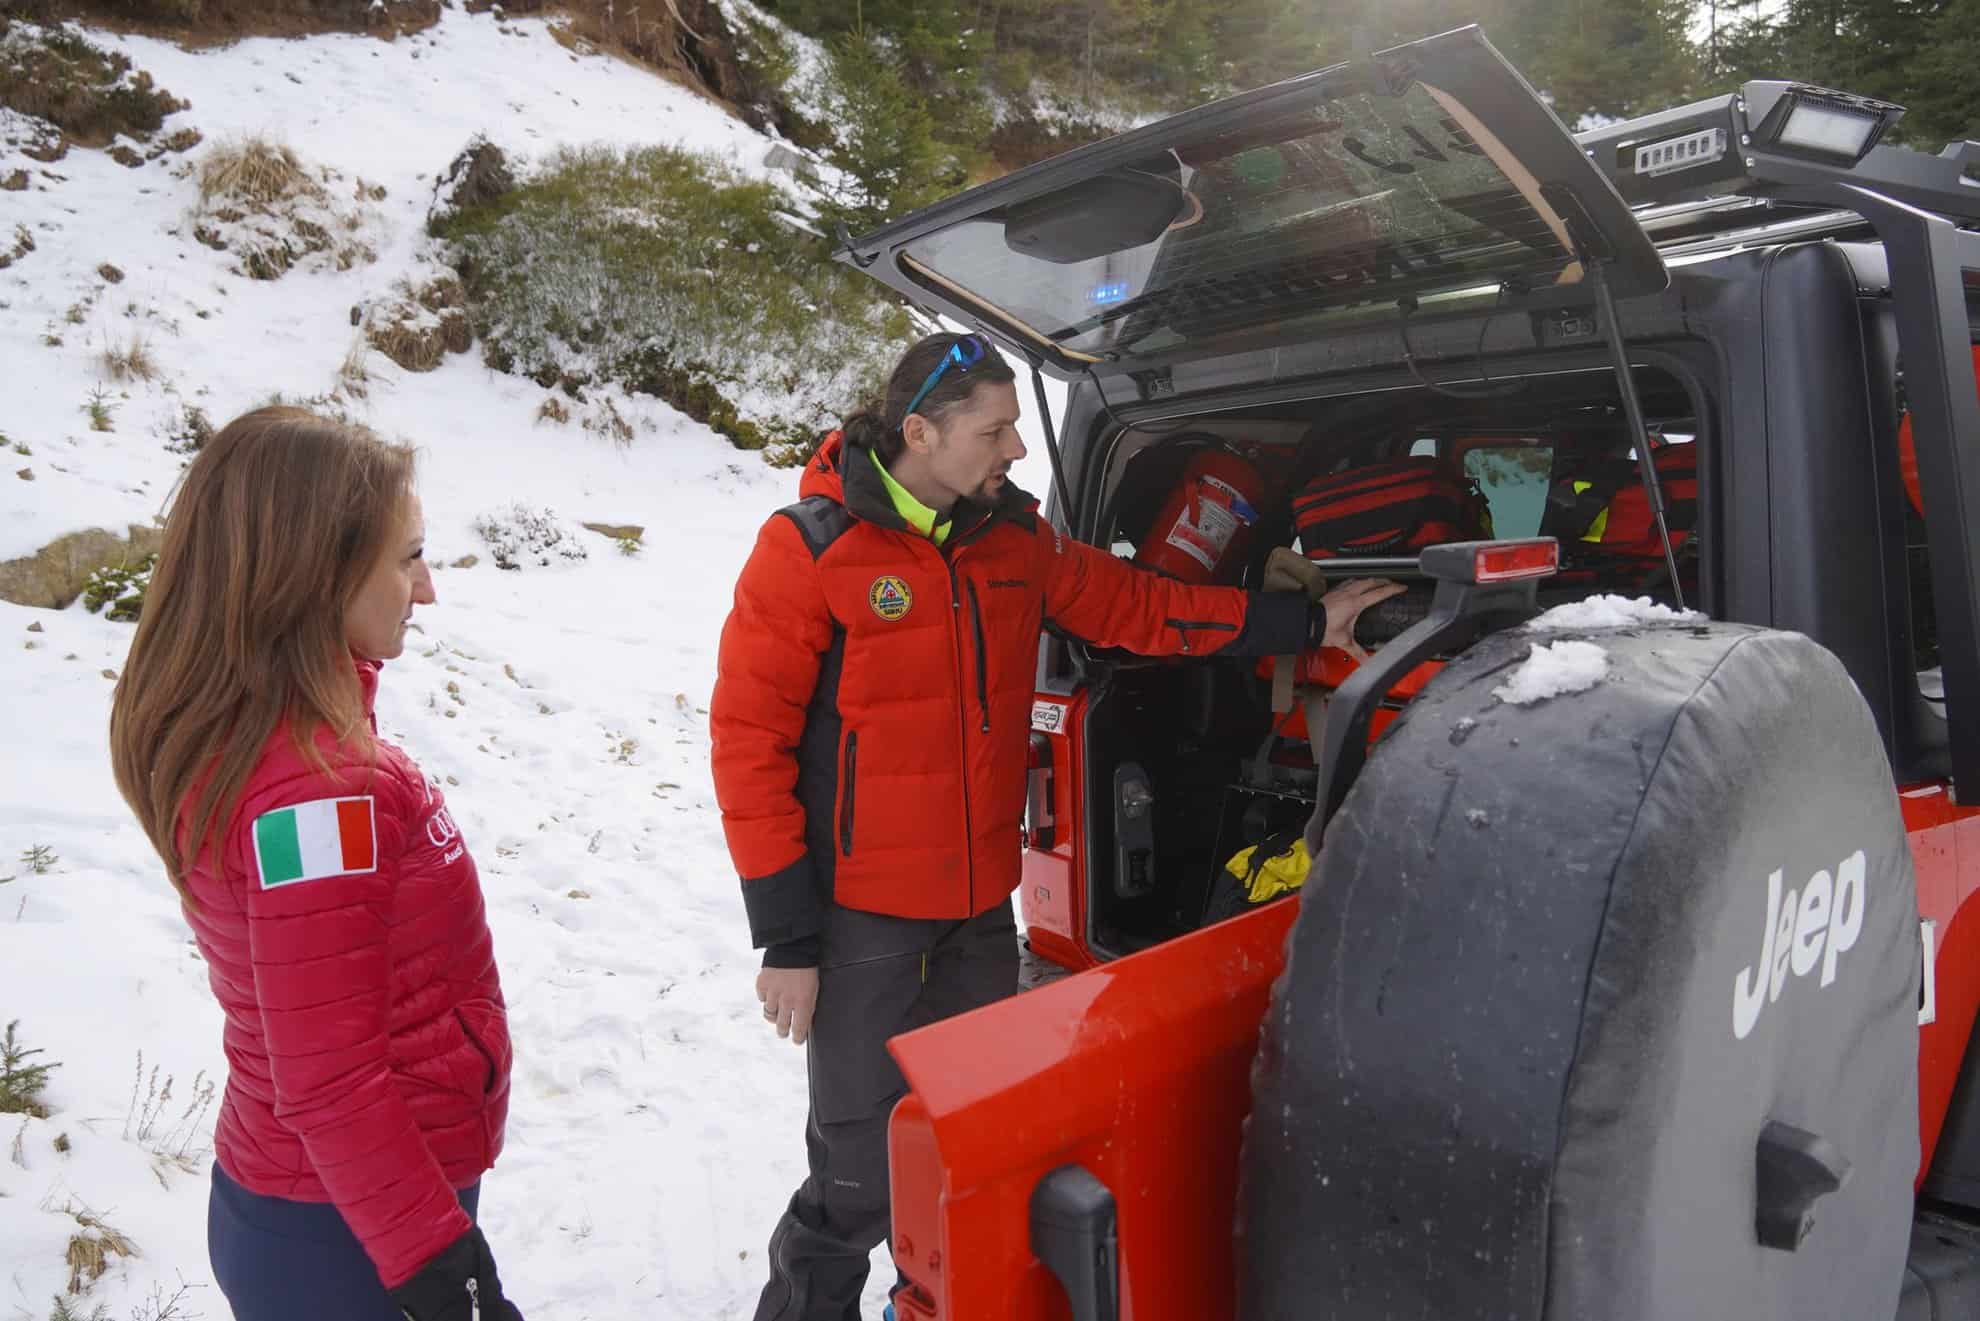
1484,562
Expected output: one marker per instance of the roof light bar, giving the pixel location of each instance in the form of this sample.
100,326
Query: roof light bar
1800,120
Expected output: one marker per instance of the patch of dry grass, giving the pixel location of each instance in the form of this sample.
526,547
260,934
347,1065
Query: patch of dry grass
256,172
354,373
130,360
93,1247
415,345
418,329
264,204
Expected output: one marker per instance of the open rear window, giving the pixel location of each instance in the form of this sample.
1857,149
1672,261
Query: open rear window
1355,199
1428,171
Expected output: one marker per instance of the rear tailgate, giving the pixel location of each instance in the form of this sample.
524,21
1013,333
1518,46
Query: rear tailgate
1139,1071
1426,173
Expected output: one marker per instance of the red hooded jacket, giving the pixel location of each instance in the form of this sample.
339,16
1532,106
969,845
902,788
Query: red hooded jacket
367,1043
872,702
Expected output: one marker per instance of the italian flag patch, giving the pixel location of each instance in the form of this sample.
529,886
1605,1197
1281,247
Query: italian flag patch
307,842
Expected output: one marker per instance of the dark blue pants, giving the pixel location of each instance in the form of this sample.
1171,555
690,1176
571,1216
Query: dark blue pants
278,1260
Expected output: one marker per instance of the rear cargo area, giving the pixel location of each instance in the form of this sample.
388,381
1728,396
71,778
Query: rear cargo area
1189,761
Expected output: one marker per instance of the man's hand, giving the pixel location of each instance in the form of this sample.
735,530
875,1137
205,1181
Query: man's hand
1344,605
1288,570
789,996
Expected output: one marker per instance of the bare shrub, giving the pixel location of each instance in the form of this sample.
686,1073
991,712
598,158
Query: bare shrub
521,535
130,360
187,430
354,373
150,1120
603,418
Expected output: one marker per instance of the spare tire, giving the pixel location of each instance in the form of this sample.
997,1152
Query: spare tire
1557,969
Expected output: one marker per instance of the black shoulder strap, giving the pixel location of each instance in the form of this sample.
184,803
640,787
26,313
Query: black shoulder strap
820,520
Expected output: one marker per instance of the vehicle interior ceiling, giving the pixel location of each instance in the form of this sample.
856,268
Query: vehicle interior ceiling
1199,736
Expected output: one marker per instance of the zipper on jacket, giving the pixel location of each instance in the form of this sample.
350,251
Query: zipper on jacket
982,659
962,724
847,779
474,1299
1183,626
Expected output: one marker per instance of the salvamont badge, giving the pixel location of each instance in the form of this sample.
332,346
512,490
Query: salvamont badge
889,597
1805,929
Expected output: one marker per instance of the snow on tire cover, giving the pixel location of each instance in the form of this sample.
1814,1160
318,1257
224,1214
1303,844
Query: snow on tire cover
1516,1066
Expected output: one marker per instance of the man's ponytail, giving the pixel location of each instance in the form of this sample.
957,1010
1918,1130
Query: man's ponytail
868,430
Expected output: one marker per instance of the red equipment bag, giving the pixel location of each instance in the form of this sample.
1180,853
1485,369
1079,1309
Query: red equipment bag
1386,509
1623,523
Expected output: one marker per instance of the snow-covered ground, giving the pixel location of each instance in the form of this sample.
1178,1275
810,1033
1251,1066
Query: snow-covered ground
656,1124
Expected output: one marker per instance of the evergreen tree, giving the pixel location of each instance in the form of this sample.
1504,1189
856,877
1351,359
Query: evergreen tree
886,145
925,116
1918,53
1615,58
1944,105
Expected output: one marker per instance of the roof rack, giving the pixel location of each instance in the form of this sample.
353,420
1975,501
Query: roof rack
1772,159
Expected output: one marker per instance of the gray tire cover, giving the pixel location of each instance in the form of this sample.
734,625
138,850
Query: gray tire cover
1520,1056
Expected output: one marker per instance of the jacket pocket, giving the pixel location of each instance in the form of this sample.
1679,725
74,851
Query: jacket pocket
485,1026
848,784
1187,626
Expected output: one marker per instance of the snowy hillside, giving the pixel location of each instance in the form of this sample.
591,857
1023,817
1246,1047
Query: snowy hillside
656,1125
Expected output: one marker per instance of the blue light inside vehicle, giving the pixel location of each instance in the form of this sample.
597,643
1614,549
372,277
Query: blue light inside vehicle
1101,294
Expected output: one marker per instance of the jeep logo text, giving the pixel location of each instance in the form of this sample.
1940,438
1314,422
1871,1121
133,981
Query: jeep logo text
1817,924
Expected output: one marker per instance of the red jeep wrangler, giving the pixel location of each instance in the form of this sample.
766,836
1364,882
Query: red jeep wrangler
1635,969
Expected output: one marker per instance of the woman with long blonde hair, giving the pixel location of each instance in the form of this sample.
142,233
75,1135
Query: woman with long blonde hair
338,910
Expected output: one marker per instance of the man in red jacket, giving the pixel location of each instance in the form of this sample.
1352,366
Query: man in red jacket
870,720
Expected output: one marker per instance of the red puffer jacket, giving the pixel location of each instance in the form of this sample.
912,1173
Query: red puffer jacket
367,1043
872,702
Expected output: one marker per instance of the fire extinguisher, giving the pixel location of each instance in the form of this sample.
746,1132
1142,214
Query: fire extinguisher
1205,528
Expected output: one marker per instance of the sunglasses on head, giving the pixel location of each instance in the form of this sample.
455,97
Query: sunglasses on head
964,353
